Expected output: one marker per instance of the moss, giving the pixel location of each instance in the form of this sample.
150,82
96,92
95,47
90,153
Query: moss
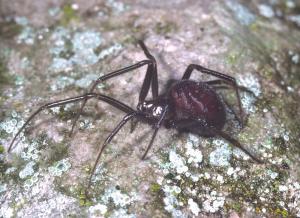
2,149
69,14
155,187
165,28
281,212
236,206
232,58
64,114
56,152
83,198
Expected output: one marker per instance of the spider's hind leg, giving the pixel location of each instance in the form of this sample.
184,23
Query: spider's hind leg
237,144
215,132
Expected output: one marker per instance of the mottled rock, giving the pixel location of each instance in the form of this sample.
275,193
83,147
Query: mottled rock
51,50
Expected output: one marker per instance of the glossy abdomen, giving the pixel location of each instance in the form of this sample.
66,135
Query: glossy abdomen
198,104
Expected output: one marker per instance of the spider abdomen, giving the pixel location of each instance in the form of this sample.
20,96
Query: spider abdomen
199,102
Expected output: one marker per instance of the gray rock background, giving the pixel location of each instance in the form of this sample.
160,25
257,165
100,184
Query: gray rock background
51,50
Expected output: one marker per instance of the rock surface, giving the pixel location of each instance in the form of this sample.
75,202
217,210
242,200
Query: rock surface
51,50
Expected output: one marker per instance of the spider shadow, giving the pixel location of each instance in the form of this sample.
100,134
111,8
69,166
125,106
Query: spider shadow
141,141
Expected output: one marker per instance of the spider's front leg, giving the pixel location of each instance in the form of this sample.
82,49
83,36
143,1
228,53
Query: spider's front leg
125,119
150,80
109,100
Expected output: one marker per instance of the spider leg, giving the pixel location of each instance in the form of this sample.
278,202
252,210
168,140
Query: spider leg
154,83
156,128
125,119
237,144
109,100
228,79
150,78
183,124
219,84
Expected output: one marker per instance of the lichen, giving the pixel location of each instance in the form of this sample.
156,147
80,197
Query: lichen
221,155
242,14
28,34
59,167
266,10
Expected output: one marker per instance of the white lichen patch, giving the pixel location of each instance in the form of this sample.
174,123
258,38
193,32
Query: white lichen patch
61,82
13,124
197,200
83,46
252,83
40,199
28,183
122,213
97,210
79,49
27,34
213,203
117,6
110,50
177,162
30,150
3,188
266,10
221,155
59,167
193,152
99,173
119,198
193,206
28,170
85,81
295,19
171,202
295,58
6,211
60,64
241,13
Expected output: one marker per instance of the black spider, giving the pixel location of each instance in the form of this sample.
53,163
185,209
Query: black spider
187,105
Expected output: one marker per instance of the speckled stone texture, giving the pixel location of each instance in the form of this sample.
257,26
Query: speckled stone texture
51,50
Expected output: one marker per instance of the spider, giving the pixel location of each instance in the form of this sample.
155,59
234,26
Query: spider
187,105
